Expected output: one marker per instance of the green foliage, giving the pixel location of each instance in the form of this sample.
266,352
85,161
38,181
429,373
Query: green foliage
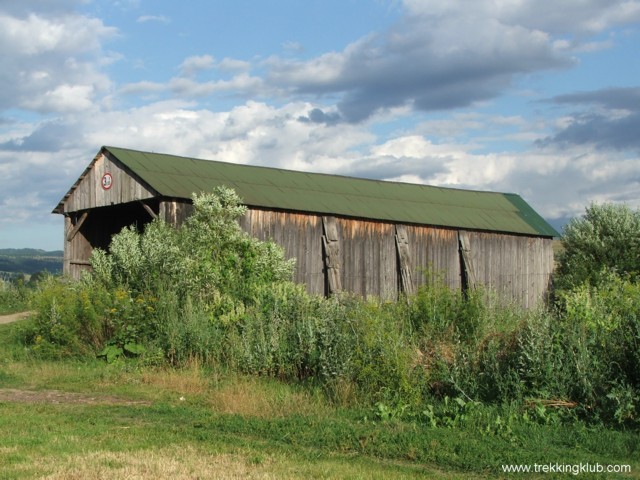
14,262
69,319
438,310
14,296
606,238
210,259
210,293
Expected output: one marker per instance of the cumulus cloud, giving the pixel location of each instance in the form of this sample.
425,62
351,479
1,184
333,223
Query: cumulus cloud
613,124
613,98
51,63
571,16
430,63
196,64
339,112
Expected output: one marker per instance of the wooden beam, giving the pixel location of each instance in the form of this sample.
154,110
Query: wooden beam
149,210
76,227
80,262
331,243
404,256
467,261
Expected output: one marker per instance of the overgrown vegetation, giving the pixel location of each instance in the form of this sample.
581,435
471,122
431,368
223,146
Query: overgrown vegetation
14,296
210,293
606,239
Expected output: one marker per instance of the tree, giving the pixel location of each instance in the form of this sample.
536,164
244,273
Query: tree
606,239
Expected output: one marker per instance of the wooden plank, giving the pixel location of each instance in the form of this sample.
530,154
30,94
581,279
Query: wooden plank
467,262
66,265
80,262
149,210
331,243
77,226
404,255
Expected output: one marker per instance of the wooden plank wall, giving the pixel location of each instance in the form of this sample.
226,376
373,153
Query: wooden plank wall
89,192
299,235
77,249
434,255
175,211
517,268
369,258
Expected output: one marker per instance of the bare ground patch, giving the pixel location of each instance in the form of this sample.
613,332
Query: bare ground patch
58,397
14,317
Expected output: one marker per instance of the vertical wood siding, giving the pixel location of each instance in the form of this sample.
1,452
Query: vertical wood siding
517,268
89,192
299,235
369,258
175,212
434,255
77,250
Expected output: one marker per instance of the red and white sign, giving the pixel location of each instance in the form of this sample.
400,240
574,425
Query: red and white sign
107,181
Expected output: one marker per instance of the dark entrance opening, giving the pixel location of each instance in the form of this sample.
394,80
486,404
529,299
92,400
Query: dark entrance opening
104,222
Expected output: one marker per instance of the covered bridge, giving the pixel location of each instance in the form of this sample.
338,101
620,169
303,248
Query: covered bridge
369,237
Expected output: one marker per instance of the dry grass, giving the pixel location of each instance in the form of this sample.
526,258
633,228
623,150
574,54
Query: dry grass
255,398
175,463
190,381
189,463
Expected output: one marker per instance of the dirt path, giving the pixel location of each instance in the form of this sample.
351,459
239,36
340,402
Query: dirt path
58,397
13,317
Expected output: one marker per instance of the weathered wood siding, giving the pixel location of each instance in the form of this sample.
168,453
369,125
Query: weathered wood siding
89,192
175,211
299,235
77,248
434,255
517,268
369,258
366,253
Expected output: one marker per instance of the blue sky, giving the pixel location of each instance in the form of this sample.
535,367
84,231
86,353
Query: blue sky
540,99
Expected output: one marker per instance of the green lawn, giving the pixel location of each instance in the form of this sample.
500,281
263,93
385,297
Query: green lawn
89,420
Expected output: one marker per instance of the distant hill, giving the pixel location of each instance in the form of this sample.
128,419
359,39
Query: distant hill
16,261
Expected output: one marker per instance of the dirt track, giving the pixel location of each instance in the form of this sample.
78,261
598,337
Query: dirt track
14,317
55,396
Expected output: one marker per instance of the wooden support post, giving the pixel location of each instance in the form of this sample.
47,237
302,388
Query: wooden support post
469,279
331,242
402,245
77,226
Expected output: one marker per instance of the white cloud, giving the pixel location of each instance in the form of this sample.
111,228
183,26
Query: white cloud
233,65
195,64
153,18
52,63
144,87
63,98
36,35
356,111
428,63
569,16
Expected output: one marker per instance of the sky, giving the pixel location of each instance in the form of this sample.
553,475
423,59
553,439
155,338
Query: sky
537,98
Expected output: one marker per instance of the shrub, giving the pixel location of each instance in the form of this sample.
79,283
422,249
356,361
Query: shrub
70,318
606,238
14,296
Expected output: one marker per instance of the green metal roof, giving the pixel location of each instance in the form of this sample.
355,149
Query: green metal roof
180,177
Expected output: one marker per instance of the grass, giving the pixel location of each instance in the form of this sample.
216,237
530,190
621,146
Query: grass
203,423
